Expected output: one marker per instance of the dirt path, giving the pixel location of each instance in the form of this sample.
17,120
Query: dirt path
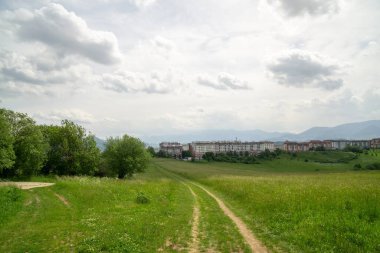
252,241
255,245
63,199
194,246
26,185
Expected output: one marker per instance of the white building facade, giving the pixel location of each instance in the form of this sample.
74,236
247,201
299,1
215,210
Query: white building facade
199,148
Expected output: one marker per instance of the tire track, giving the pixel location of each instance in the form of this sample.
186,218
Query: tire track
251,240
194,246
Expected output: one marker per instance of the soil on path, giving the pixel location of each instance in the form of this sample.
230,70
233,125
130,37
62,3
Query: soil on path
194,246
26,185
62,199
252,241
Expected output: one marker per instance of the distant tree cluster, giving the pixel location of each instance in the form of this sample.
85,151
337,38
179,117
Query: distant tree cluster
240,157
354,149
28,149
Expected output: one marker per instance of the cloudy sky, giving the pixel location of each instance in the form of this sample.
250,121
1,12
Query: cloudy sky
153,67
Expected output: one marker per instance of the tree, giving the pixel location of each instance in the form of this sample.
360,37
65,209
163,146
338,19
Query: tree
29,145
151,151
209,156
72,151
186,153
89,156
126,155
7,155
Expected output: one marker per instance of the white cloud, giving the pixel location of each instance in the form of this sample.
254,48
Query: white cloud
128,82
305,69
66,33
163,43
223,81
75,115
13,89
167,45
142,3
38,70
346,105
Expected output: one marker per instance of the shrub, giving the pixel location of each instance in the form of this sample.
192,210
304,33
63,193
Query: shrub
141,198
373,166
357,166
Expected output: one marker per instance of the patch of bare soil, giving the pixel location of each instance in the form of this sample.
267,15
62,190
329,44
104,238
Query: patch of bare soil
194,246
252,241
26,185
63,199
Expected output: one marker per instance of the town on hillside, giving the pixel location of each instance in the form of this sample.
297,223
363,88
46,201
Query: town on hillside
197,149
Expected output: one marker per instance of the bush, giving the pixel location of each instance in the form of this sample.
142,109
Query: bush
141,198
357,166
373,166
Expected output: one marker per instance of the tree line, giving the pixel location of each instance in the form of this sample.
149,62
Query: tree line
28,149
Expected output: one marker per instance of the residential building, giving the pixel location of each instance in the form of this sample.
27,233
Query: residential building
199,148
173,149
375,143
342,144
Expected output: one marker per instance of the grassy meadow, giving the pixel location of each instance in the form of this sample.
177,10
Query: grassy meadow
292,204
298,206
101,215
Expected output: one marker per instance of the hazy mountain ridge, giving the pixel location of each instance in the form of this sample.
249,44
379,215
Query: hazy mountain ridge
101,144
358,130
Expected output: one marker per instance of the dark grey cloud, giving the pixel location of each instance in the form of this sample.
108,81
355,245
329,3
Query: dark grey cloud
223,81
66,33
303,69
301,7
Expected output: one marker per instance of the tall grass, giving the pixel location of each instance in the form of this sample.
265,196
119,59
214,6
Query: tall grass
10,202
102,216
298,206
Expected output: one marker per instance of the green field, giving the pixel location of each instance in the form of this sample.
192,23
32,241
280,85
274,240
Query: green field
290,205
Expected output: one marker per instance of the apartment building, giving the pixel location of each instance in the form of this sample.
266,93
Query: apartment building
173,149
199,148
375,143
342,144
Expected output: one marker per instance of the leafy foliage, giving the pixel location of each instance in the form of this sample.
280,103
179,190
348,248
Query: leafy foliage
186,153
7,155
125,156
29,145
72,151
151,151
373,166
240,157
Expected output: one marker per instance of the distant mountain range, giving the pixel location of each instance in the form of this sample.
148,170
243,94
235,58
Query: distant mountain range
360,130
101,144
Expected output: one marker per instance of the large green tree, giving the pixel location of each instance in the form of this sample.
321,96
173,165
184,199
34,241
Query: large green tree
7,155
29,145
72,151
125,156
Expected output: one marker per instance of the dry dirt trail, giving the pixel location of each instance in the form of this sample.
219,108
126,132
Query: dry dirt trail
255,245
26,185
194,246
253,242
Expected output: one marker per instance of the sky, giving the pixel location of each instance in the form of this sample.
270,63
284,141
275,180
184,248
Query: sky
156,67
